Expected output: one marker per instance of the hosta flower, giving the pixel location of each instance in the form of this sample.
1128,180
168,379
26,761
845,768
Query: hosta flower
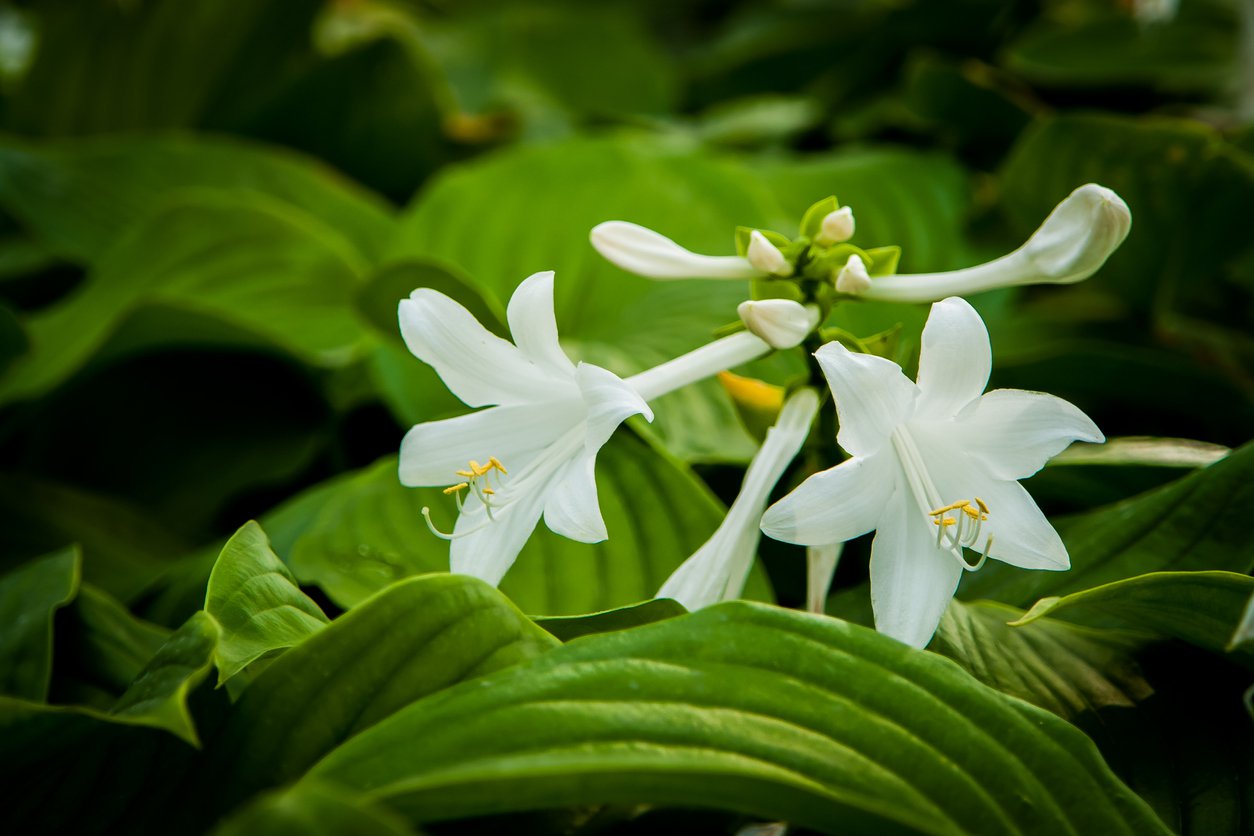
717,571
532,453
934,471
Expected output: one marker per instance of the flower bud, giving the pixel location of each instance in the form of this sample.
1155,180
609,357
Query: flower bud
766,257
644,252
837,227
780,323
853,277
1079,235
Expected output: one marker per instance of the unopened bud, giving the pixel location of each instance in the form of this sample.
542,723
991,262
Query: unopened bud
837,227
1080,234
765,256
853,277
644,252
780,323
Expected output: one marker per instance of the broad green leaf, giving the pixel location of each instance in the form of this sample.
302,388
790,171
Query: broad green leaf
1244,634
158,696
29,597
749,708
256,602
100,649
1200,522
414,638
250,261
78,197
369,533
1144,451
1065,669
1202,608
567,627
536,206
313,810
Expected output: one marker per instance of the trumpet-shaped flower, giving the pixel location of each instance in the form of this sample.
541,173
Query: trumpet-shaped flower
532,453
934,471
717,571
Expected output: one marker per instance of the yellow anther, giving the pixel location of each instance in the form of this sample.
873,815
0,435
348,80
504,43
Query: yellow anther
467,474
495,462
953,506
945,521
983,506
475,466
970,512
489,491
460,486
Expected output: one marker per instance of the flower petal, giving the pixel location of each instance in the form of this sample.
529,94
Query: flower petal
432,453
492,547
912,582
609,401
533,325
872,397
476,365
644,252
833,505
955,360
1014,432
572,508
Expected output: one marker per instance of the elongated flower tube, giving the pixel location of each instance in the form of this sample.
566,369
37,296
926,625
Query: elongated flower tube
717,571
532,452
820,567
934,471
1071,245
644,252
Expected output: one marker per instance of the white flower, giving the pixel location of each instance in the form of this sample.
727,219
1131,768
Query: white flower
782,323
717,571
765,256
821,564
647,253
933,470
537,442
853,277
836,227
1071,245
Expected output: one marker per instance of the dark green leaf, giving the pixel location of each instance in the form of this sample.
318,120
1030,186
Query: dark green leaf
29,597
567,627
312,809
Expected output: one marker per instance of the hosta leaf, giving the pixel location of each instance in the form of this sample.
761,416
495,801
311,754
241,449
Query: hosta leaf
1065,669
567,627
80,196
29,597
313,810
414,638
257,603
368,533
1202,608
252,262
1199,522
749,708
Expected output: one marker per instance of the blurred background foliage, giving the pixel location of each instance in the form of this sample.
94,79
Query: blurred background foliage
209,209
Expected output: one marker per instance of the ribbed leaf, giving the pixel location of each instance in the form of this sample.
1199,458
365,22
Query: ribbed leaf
312,810
257,603
29,596
750,708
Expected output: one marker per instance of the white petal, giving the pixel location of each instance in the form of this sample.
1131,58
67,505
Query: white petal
912,582
834,505
533,325
476,365
647,253
431,453
488,552
872,397
572,508
609,401
1014,432
955,360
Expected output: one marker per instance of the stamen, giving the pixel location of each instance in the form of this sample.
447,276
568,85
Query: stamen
460,486
962,530
983,506
953,506
496,463
943,521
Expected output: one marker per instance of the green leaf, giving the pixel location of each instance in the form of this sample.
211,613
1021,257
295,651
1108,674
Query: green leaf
314,810
255,263
368,533
567,627
1065,669
1202,608
414,638
812,220
29,597
80,196
158,696
1200,522
256,603
777,714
